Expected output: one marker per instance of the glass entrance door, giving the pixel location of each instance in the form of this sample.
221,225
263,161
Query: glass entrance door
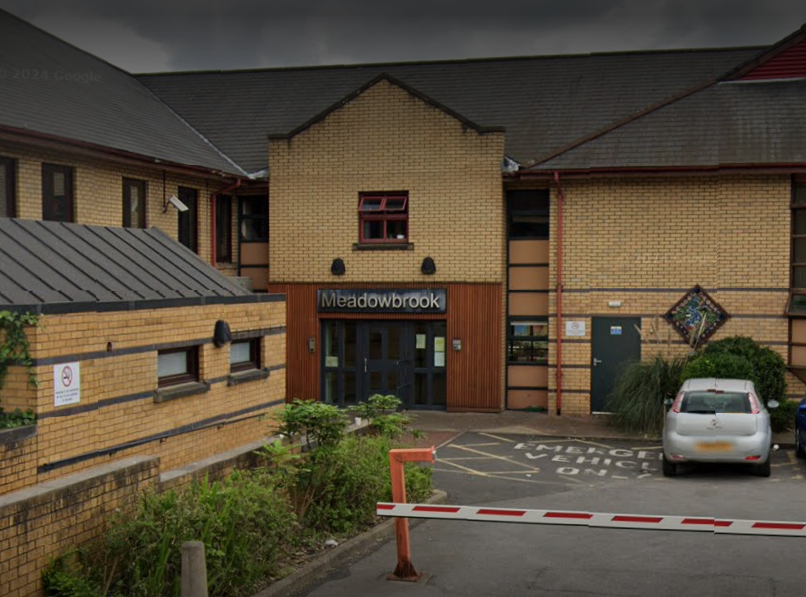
406,359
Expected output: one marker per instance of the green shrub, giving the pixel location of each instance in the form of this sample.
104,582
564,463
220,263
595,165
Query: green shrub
783,417
381,412
720,364
636,399
767,372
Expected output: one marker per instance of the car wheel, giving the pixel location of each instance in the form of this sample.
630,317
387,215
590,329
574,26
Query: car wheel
763,470
669,468
799,451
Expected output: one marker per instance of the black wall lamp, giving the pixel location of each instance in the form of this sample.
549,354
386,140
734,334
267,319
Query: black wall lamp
222,334
337,267
428,267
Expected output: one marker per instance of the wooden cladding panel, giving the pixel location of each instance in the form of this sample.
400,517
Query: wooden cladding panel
798,331
302,366
474,315
528,251
798,356
521,399
474,373
528,303
529,278
528,376
254,253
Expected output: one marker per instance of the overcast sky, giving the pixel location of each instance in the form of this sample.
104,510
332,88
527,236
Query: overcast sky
160,35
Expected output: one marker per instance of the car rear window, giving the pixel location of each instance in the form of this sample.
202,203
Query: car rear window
716,402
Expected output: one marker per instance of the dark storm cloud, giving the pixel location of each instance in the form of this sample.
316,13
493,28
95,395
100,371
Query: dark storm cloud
207,34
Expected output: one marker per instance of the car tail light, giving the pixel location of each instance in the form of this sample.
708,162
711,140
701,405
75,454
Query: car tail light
754,408
752,458
676,403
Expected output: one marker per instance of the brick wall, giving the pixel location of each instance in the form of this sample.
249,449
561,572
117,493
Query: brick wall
645,242
117,415
387,140
98,192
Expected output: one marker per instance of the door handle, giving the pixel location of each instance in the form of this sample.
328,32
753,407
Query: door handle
365,364
597,361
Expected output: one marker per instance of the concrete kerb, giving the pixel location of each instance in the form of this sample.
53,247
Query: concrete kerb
338,556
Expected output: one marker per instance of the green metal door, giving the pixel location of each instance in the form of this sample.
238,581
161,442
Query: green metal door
616,341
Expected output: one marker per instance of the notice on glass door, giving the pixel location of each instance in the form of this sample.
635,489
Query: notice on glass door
420,342
439,351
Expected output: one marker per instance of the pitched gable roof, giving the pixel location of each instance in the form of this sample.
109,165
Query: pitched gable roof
52,88
784,60
56,267
544,103
393,81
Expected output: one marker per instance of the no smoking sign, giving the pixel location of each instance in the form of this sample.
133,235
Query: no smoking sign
66,384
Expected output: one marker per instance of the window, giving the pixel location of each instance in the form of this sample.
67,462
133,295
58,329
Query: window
177,366
188,232
8,200
244,355
223,229
57,193
254,225
528,214
797,299
384,218
528,341
134,203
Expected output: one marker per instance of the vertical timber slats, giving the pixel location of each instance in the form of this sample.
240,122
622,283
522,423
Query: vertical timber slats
474,315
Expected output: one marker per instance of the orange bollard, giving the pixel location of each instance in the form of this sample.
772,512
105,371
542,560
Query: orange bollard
405,569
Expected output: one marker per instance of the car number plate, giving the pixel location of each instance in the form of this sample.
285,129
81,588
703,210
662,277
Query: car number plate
714,447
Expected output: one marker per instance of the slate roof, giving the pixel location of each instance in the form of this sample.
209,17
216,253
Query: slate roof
56,267
728,124
105,107
543,103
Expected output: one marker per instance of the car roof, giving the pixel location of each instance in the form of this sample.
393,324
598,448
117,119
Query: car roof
713,383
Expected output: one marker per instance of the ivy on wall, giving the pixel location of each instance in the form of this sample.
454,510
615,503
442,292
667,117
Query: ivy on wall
15,350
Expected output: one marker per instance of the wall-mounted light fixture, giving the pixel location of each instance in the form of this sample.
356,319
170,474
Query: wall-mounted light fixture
429,268
174,200
221,334
337,267
311,344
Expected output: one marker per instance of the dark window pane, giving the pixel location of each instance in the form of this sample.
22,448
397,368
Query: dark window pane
134,203
331,388
529,328
349,343
254,226
420,388
371,203
800,194
8,202
223,224
438,389
395,204
800,250
799,279
797,304
529,227
520,351
188,221
375,344
373,230
799,216
396,229
350,396
57,193
533,200
394,339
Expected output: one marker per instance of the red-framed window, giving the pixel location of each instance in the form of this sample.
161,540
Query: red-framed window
384,217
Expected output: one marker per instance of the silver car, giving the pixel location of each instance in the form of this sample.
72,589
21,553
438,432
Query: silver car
717,420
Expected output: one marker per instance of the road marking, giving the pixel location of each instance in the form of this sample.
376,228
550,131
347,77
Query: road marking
503,439
521,480
493,456
465,468
481,445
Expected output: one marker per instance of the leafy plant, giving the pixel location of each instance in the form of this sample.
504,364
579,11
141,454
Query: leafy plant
639,392
769,368
322,424
16,418
384,419
67,576
720,364
783,417
14,344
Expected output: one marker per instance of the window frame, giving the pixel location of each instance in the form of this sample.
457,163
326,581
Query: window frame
48,196
10,167
798,187
223,231
191,373
128,184
539,206
188,219
254,361
531,338
383,214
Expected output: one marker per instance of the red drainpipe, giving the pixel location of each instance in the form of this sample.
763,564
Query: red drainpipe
220,191
560,199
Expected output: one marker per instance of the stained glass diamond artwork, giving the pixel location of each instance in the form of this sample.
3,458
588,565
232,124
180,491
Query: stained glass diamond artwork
696,316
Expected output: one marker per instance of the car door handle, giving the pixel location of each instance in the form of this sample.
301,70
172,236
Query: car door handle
597,361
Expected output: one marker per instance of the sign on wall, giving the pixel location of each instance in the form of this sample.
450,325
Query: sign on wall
360,300
575,329
66,384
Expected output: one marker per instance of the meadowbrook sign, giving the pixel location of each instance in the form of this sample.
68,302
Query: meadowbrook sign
382,301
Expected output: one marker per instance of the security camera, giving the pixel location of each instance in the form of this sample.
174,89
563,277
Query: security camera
174,200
